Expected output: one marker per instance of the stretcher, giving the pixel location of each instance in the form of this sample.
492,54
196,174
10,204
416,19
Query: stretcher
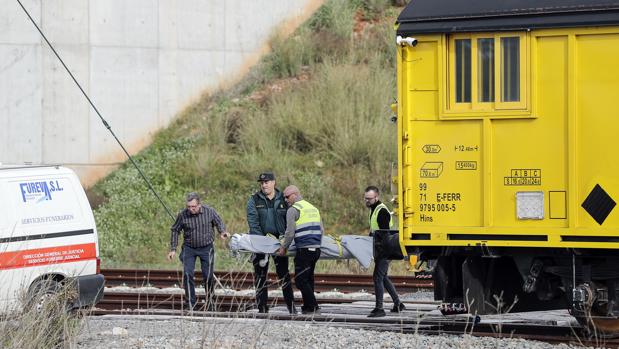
341,247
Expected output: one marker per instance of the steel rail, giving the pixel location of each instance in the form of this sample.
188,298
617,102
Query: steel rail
155,302
244,280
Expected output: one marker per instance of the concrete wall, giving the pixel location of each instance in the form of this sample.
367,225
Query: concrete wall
141,62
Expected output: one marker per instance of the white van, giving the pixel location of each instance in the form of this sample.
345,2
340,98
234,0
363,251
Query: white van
47,236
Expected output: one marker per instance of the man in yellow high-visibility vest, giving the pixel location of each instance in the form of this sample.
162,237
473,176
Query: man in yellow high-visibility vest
380,218
303,224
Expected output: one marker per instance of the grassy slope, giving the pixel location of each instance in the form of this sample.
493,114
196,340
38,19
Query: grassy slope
315,112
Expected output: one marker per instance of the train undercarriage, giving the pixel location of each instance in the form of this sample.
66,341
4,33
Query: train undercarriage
499,280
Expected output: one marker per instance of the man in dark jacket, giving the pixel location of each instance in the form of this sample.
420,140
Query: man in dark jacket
266,214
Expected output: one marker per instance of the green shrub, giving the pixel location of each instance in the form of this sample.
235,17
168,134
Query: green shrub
336,16
342,114
372,9
289,54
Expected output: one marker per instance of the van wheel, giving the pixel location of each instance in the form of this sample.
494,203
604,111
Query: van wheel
45,295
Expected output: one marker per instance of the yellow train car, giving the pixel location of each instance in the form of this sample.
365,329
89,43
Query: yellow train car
508,177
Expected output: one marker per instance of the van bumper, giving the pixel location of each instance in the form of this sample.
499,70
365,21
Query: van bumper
90,290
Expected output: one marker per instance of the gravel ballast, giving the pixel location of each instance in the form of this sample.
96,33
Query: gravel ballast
188,332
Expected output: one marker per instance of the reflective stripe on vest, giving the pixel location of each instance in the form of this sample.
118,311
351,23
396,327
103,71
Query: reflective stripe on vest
307,232
374,217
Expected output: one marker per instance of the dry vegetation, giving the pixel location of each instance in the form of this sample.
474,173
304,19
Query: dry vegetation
44,321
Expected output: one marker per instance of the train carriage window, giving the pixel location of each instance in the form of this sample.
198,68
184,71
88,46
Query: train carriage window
510,69
463,71
487,72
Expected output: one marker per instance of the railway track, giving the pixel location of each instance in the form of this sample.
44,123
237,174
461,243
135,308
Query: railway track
145,301
244,280
420,317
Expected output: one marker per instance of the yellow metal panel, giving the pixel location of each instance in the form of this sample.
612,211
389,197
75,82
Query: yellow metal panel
597,94
418,84
572,170
487,174
422,65
446,168
557,205
538,237
401,111
424,105
531,155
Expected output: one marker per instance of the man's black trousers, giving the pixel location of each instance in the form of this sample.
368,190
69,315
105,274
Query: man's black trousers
382,282
260,281
304,265
188,257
